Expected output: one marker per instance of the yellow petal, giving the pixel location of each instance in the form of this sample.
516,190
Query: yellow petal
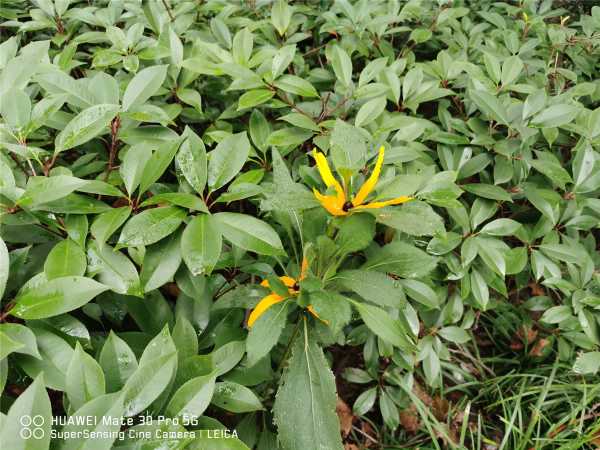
288,281
375,205
303,269
369,185
327,176
312,311
262,306
331,203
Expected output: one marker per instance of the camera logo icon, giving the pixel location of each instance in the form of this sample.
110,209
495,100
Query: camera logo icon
32,427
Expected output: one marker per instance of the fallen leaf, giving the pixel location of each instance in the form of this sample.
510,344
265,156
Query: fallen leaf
345,416
368,430
421,394
440,408
409,420
536,289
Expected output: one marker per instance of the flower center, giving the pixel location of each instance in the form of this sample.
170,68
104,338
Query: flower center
347,206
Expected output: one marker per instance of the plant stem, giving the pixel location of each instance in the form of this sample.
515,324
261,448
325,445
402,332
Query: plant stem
166,5
289,345
114,141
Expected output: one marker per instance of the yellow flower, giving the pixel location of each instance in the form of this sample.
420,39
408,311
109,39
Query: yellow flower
338,204
273,298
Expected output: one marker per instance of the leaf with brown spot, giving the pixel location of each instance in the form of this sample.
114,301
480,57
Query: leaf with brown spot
538,348
527,334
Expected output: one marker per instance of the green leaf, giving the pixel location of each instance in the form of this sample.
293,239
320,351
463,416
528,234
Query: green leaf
55,297
555,116
563,252
511,69
555,172
143,86
480,289
192,399
192,161
114,269
46,189
355,233
490,106
4,263
534,103
105,224
290,136
421,292
16,109
18,434
235,398
148,382
201,244
557,314
227,356
55,354
375,287
66,258
348,146
117,361
492,66
281,16
205,441
185,338
84,380
401,259
305,404
454,334
587,363
249,233
161,262
158,163
415,218
85,126
370,111
488,191
133,164
364,402
254,98
8,345
151,226
383,325
501,227
259,130
227,159
95,425
265,332
341,64
296,85
22,336
332,309
282,59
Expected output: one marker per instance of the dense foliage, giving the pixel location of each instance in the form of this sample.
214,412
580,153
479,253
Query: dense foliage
315,225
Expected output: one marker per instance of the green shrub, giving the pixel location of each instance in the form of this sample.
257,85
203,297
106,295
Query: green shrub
222,221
